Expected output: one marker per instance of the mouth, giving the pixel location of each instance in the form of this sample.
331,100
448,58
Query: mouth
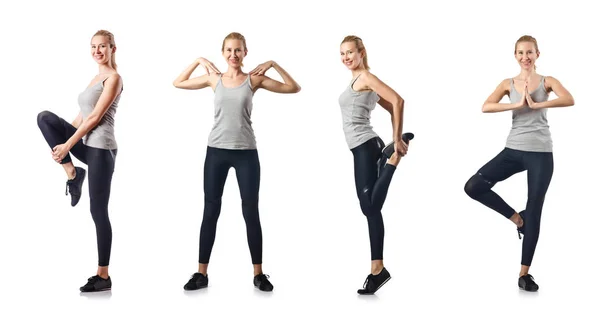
348,63
98,57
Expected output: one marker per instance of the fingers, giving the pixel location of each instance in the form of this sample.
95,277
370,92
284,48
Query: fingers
214,68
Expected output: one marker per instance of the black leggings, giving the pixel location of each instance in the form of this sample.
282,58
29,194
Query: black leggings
539,167
247,170
101,164
372,188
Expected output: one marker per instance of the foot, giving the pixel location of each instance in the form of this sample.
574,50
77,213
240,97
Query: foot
74,185
374,282
388,154
96,284
527,283
197,281
262,282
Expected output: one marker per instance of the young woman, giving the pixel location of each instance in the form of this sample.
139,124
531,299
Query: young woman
91,139
528,147
232,144
374,164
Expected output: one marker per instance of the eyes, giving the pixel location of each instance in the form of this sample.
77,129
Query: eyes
237,50
101,46
346,53
528,52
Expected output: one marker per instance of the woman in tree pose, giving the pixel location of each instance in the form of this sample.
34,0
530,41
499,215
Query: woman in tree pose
528,147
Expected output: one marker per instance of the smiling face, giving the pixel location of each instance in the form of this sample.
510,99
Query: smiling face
351,56
526,53
234,52
102,50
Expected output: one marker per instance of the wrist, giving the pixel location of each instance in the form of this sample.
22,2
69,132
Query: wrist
272,63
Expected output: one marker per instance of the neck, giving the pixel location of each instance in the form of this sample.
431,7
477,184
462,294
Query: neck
358,71
105,69
234,71
527,74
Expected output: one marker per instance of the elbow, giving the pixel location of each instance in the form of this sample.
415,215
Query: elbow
485,108
571,101
297,88
398,103
92,121
176,84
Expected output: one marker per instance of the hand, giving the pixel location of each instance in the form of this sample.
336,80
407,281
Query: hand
208,65
401,148
262,68
59,152
532,104
524,95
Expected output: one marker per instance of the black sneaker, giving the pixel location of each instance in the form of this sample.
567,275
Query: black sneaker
521,229
197,281
527,283
262,282
374,282
74,185
389,149
96,284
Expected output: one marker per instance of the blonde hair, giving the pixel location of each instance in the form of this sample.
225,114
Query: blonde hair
236,36
111,41
360,46
529,39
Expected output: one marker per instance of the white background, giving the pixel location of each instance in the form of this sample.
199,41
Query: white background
449,256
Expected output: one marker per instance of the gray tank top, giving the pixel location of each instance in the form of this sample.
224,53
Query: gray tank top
356,114
530,130
103,135
232,127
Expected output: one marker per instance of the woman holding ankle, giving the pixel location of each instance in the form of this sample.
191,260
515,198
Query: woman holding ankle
231,143
374,164
528,147
90,138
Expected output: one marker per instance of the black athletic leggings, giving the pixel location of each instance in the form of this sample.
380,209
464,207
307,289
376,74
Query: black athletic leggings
101,164
247,170
539,167
372,187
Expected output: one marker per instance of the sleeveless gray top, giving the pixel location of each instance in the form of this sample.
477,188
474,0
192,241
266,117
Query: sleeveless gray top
356,114
232,127
530,130
103,135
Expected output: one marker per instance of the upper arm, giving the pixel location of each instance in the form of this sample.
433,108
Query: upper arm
111,88
386,94
501,90
196,83
555,86
269,84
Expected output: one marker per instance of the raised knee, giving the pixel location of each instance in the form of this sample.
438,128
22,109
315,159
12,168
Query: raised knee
43,117
476,185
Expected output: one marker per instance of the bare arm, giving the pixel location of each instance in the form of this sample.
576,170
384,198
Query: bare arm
389,100
112,87
78,120
289,85
492,104
183,81
564,98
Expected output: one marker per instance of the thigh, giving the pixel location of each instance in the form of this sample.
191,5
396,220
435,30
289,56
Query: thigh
540,167
216,168
365,164
507,163
247,171
101,165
